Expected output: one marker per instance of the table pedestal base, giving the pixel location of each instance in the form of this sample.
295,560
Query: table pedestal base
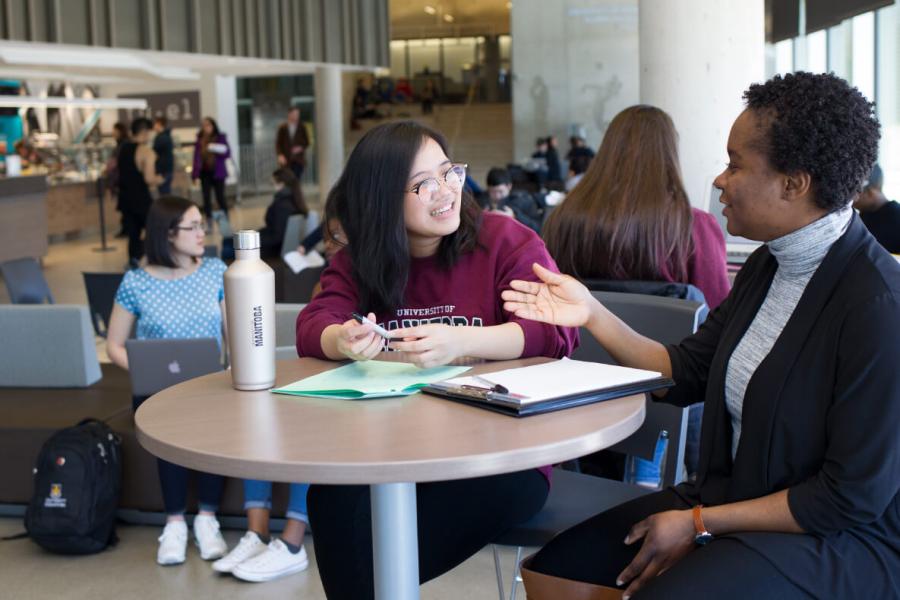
395,541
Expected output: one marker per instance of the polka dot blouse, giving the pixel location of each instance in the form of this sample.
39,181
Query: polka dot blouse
181,308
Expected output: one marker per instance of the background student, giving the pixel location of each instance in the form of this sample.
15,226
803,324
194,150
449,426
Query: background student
211,153
178,294
880,215
288,201
630,217
417,243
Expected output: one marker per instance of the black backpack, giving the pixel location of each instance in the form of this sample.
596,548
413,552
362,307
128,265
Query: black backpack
77,480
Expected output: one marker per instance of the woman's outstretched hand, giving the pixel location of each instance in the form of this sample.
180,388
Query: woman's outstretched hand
556,299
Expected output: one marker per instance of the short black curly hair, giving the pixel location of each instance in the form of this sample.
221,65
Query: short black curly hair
819,124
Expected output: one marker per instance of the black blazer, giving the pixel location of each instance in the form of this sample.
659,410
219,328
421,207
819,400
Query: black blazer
821,417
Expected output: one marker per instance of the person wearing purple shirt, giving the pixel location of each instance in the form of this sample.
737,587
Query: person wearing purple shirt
211,153
425,263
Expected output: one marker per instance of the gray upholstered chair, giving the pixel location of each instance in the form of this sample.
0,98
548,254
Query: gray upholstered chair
47,345
25,281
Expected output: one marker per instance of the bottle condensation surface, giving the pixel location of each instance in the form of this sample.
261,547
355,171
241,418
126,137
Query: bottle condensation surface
250,313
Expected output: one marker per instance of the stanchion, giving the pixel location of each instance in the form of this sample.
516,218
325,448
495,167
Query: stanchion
101,202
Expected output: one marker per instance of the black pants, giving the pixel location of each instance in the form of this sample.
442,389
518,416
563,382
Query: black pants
208,183
173,480
456,519
297,170
133,223
594,552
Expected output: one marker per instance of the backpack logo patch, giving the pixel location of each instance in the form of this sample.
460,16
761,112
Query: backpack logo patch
55,499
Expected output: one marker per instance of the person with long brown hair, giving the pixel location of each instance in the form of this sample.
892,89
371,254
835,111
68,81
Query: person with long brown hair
630,217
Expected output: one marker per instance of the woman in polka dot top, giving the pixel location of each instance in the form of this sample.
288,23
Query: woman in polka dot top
177,294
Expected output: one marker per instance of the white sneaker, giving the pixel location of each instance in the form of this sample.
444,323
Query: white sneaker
208,538
249,546
276,561
172,543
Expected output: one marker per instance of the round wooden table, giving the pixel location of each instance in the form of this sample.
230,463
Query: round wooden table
390,444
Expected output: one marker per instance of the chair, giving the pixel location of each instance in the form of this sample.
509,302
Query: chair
298,227
47,346
575,496
669,289
211,251
25,281
101,294
298,287
286,330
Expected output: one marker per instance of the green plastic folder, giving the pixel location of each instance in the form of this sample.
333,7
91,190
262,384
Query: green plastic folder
369,379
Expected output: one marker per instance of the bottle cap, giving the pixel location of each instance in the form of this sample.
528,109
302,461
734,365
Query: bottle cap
246,239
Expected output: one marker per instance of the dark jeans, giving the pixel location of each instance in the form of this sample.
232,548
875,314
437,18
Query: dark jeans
133,224
174,482
208,183
593,551
165,188
456,519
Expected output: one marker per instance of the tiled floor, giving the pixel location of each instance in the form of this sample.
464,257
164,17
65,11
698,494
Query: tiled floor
129,571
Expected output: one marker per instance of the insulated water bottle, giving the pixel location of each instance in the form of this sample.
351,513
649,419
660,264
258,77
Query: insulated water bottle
250,313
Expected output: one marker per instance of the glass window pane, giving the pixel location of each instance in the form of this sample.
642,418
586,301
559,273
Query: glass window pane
864,54
839,53
459,56
398,58
424,54
888,105
784,57
816,52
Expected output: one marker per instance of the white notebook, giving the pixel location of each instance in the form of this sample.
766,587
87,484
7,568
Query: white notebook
564,377
297,262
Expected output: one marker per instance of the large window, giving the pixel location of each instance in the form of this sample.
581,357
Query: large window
865,51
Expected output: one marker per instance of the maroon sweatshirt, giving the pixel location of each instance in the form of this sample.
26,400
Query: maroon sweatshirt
467,294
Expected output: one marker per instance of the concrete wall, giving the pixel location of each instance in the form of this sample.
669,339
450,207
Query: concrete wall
575,63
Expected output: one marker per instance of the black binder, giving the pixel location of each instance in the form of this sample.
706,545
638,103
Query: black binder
512,405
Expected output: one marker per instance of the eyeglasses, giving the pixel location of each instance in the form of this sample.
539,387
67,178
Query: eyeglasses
455,177
196,227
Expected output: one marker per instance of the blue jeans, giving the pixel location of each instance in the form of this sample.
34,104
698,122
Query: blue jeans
258,494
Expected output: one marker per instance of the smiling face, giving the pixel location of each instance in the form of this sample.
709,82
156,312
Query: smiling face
430,215
753,192
188,239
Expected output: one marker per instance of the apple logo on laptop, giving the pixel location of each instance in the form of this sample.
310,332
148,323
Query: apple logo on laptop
174,367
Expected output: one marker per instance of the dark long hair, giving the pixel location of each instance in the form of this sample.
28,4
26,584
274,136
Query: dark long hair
163,217
286,177
368,201
629,217
215,127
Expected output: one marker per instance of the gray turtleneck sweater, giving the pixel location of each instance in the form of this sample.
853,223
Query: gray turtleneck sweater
798,254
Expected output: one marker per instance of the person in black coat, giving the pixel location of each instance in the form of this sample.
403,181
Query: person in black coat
798,489
525,208
288,201
880,215
165,154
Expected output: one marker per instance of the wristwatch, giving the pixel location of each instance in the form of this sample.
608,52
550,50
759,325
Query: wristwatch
702,536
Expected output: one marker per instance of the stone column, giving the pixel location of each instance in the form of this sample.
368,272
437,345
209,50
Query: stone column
696,59
329,137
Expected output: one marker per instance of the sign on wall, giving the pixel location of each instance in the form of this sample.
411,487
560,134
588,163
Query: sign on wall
181,109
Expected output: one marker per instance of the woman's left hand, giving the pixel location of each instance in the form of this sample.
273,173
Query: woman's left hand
668,537
429,345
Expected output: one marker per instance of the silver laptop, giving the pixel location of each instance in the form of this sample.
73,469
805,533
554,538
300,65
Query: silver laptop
737,249
155,365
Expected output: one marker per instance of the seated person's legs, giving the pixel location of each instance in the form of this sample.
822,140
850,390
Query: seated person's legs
594,550
455,520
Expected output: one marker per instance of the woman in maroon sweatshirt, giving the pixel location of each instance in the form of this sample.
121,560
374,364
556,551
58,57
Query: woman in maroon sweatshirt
424,262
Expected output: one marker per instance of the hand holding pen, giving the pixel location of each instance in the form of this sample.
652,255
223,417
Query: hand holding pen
359,338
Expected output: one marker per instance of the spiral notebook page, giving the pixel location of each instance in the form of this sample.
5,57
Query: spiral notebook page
558,378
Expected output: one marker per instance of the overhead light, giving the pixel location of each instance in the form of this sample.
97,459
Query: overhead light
430,10
57,102
449,18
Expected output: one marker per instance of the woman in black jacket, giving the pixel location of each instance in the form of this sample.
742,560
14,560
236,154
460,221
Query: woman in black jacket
288,201
797,491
